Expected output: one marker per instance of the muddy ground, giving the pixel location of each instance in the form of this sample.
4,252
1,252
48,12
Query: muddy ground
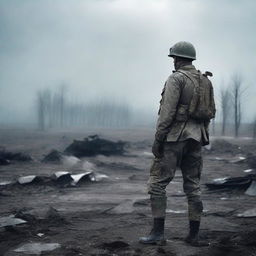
107,217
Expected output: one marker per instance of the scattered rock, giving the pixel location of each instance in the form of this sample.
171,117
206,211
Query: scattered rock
94,145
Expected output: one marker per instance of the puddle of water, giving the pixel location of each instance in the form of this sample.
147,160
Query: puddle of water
37,248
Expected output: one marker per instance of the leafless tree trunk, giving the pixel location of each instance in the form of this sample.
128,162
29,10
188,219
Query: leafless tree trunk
254,129
62,103
237,91
225,108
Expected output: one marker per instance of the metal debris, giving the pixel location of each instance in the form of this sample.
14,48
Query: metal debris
77,178
230,183
62,178
175,211
26,179
248,214
37,248
10,221
94,145
251,191
5,183
248,170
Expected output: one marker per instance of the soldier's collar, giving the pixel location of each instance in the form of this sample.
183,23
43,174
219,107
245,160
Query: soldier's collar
187,67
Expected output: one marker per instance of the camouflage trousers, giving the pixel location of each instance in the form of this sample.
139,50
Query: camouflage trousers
187,156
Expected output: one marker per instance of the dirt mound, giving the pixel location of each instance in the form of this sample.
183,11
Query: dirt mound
6,157
240,244
223,146
53,157
94,145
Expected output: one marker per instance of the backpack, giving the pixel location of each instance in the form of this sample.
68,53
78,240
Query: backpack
202,106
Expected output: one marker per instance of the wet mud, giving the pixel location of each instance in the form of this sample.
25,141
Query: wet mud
107,216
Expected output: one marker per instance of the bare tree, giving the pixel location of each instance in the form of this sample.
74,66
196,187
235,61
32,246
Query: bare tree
225,108
254,128
62,103
236,93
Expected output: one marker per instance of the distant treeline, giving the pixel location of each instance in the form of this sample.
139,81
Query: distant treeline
54,109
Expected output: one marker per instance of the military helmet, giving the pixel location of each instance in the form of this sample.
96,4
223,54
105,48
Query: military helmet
183,49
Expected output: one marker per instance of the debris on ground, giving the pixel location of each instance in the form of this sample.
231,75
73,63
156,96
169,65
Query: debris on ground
81,177
251,161
26,179
124,207
248,213
5,183
70,161
62,178
223,146
231,183
94,145
37,248
114,245
10,221
6,157
4,161
251,191
54,156
48,214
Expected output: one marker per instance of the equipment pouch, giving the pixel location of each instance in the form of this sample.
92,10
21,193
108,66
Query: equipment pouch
182,113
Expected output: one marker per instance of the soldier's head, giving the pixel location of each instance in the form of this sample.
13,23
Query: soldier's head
182,52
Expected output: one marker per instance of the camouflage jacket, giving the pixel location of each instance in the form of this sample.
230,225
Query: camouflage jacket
176,94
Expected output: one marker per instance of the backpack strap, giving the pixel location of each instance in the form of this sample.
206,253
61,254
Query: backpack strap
188,75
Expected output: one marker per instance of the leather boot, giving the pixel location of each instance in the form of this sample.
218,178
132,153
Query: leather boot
193,236
156,236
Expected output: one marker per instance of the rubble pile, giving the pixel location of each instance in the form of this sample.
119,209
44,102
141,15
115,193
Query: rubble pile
230,183
59,178
6,157
94,145
223,146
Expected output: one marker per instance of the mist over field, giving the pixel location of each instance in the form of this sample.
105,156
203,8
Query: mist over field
114,53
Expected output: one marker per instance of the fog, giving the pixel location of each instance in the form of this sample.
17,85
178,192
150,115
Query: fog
116,51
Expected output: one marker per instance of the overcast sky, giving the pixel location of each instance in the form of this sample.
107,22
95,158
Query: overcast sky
118,48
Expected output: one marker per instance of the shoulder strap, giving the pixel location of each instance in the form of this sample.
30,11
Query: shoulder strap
188,75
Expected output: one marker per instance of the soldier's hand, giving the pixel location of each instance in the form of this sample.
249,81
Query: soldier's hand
158,149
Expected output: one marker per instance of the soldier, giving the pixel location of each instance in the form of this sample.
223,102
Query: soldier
186,107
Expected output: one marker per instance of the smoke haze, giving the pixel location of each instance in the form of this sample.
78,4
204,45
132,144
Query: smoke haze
117,49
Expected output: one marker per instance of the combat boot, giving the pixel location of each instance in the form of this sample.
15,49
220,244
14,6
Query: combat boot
193,236
156,236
